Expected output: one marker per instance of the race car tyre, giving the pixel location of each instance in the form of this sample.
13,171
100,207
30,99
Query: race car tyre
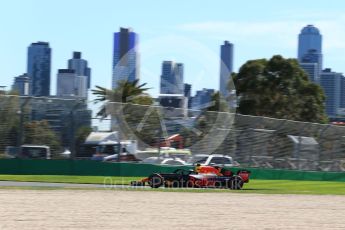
176,184
191,184
156,180
235,183
218,184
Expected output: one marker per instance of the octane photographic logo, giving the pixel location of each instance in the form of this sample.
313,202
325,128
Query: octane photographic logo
205,64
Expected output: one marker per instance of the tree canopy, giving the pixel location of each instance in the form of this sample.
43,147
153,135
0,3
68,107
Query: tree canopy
40,133
136,117
278,88
9,119
218,103
126,92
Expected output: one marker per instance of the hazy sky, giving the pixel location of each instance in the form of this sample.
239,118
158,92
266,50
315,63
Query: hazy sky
185,31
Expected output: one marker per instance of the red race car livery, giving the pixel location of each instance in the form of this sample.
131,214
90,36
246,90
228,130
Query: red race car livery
212,177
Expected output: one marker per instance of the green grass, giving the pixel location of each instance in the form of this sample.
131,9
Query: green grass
254,186
69,179
295,187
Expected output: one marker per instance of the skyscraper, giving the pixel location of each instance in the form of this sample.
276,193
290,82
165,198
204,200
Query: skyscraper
80,66
21,85
70,84
310,49
125,56
172,78
188,93
65,83
312,70
331,83
309,39
187,90
202,99
38,69
226,66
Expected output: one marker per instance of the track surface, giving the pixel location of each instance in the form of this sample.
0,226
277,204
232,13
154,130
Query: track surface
117,209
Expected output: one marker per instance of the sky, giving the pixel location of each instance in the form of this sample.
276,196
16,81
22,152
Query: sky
184,31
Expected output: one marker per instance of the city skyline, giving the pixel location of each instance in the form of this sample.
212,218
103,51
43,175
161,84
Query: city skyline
275,33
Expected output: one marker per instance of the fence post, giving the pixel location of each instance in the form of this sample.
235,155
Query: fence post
73,131
322,131
252,136
72,138
21,121
299,144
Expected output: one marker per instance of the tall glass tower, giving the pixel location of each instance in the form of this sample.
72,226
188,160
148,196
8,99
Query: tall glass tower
172,78
226,66
331,83
125,56
38,69
309,39
310,47
80,67
21,85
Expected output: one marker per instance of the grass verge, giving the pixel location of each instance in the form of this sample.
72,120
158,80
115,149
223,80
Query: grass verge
69,179
254,186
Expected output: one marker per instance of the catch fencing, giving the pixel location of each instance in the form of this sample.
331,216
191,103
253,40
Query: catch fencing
258,142
252,141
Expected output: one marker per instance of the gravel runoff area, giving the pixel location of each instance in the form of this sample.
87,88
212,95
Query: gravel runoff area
115,209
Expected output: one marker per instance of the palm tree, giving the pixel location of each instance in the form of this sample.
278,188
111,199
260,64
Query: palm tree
124,93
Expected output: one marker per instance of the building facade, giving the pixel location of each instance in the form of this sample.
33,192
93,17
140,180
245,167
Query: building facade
226,66
172,78
312,70
21,85
125,56
38,68
174,105
64,116
202,99
80,66
312,59
188,93
70,84
331,83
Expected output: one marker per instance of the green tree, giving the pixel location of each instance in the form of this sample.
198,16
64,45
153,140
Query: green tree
39,133
136,116
144,121
278,88
218,103
9,119
143,99
81,136
126,92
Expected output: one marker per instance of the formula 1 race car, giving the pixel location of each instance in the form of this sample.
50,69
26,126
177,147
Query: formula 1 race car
181,178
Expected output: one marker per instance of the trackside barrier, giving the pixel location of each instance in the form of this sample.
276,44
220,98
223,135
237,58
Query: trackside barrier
279,174
94,168
79,167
